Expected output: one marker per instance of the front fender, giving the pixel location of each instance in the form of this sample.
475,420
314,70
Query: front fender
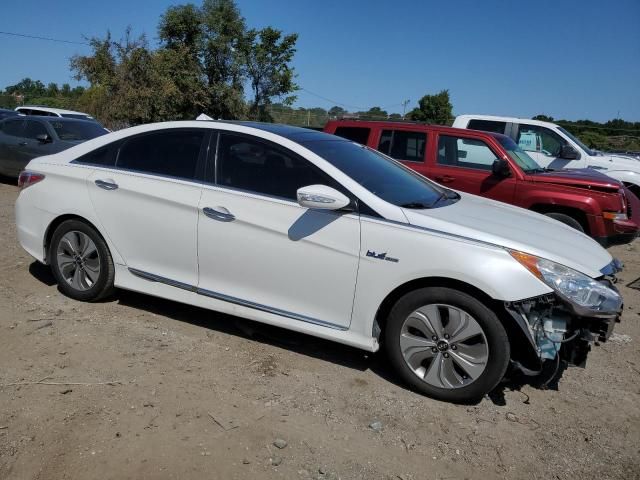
425,254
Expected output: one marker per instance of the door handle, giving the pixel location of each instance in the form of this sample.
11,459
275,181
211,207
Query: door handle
106,185
445,178
219,213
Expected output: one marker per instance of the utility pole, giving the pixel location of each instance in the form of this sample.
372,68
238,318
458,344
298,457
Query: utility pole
308,117
404,107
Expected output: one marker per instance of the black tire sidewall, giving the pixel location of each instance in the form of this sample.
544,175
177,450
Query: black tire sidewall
105,279
498,342
567,220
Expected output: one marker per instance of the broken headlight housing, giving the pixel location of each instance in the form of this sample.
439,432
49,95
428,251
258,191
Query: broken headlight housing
586,295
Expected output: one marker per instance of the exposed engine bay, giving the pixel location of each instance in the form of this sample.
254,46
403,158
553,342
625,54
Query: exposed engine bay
557,332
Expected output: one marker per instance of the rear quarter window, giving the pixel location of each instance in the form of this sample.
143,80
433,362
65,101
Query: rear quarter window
355,134
487,125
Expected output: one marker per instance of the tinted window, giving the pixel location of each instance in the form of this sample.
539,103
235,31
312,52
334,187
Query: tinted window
40,113
173,153
77,131
534,138
487,125
382,176
465,153
104,156
77,116
13,127
357,134
259,167
33,129
403,145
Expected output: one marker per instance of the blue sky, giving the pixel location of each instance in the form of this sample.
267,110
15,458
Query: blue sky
570,59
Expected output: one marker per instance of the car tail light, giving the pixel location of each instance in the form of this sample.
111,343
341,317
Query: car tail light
27,178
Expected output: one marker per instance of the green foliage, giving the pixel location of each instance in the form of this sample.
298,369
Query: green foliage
436,109
267,54
374,113
336,111
206,57
543,118
28,91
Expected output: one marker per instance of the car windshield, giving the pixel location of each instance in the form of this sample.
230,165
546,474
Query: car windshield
586,149
524,161
77,131
381,175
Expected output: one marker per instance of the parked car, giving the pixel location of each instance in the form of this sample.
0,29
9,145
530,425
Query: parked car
317,234
492,165
555,147
24,138
4,113
43,111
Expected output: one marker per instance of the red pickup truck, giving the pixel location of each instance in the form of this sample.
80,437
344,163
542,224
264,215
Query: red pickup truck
492,165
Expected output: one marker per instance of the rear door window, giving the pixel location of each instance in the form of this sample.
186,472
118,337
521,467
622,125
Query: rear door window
464,153
355,134
172,153
33,129
487,125
14,128
403,145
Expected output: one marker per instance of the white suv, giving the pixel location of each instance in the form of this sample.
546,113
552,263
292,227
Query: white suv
317,234
52,112
554,147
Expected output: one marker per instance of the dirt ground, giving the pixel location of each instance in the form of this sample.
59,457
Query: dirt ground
195,394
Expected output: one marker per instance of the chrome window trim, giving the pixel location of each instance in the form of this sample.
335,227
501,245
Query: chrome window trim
235,300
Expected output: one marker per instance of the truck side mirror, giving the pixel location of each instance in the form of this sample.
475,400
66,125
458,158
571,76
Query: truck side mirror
500,168
567,152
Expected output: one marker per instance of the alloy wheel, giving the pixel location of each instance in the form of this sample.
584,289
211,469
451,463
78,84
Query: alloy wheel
444,346
78,260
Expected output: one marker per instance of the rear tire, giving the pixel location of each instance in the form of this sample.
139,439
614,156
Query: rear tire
567,220
446,344
81,262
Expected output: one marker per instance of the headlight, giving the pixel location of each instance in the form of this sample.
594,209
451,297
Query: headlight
577,288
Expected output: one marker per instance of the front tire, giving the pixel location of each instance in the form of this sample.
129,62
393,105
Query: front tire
567,220
446,344
81,262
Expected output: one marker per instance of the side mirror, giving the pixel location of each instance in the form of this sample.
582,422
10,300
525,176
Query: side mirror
500,168
321,197
43,138
567,152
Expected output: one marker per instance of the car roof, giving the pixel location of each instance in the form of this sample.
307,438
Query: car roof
505,119
41,118
412,125
60,111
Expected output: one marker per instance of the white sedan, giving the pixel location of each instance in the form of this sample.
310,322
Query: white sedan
317,234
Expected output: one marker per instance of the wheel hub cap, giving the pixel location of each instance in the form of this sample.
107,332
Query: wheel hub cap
444,346
78,260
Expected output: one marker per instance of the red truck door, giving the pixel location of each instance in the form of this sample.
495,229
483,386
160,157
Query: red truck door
464,163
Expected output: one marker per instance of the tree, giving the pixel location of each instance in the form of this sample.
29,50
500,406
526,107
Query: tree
336,111
543,118
52,90
434,109
267,54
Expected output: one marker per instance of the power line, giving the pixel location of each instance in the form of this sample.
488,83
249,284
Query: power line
43,38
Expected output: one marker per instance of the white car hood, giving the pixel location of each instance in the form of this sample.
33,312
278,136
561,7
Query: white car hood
498,223
615,162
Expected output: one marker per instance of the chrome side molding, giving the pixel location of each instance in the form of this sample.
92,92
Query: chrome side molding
237,301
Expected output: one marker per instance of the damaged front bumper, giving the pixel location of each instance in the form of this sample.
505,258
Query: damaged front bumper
557,329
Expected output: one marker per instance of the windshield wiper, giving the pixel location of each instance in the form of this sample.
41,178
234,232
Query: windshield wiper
416,205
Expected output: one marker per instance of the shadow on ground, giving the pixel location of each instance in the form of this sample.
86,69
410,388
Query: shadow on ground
302,344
